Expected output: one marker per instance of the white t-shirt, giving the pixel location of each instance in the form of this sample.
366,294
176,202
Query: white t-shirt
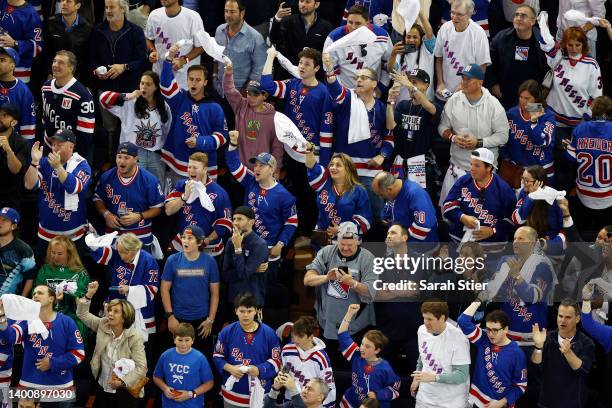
457,50
166,31
438,355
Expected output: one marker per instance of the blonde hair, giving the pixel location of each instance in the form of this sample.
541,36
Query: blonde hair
127,311
200,157
73,260
129,242
351,178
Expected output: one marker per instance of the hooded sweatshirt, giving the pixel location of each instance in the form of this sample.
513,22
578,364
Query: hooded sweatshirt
485,119
256,128
312,363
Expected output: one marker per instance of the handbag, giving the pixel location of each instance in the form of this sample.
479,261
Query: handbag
511,173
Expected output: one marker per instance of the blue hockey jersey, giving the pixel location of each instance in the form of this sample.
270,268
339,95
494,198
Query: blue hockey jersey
53,218
140,193
236,347
379,378
310,108
591,147
6,360
531,145
350,206
63,346
555,236
374,7
23,24
381,139
20,95
219,220
500,371
69,107
413,209
492,205
202,119
275,213
143,272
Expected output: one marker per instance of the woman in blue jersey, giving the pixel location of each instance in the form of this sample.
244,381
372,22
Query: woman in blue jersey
341,197
372,377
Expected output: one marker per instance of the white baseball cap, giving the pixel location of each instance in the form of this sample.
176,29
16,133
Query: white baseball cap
484,155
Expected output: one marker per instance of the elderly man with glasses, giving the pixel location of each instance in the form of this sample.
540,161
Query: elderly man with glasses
516,57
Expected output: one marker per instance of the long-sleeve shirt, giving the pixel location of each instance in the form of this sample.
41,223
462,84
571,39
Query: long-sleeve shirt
600,332
555,237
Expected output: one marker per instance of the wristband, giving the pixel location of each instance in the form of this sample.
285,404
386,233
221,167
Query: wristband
238,251
193,394
186,58
537,350
87,297
105,214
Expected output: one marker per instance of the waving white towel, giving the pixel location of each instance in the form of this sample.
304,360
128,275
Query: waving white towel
212,48
71,201
94,242
65,286
21,308
359,126
545,31
578,18
137,296
547,194
409,11
199,191
362,35
290,136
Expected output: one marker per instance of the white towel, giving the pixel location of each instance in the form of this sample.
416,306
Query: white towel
123,367
578,18
231,380
290,136
359,127
21,308
71,201
198,190
156,251
257,393
212,48
409,11
380,20
547,194
285,63
137,296
468,234
545,31
362,35
94,242
65,286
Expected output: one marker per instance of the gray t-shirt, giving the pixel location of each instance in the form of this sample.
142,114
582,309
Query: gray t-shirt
333,298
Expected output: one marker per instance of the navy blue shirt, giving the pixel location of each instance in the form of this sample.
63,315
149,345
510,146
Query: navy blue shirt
415,128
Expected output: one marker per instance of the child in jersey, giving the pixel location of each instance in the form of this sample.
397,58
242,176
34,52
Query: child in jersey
372,377
183,373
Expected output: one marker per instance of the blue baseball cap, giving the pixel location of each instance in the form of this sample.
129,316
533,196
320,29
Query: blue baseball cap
473,71
10,214
128,148
194,230
11,52
264,158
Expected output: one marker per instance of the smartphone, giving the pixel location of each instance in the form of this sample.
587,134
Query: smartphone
344,269
285,369
534,107
409,48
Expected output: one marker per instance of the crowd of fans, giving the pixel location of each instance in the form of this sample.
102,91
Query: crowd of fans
445,166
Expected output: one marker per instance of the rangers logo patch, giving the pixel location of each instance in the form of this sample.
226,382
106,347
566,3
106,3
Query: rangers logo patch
66,103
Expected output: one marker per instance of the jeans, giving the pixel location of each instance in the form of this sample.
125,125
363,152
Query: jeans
152,162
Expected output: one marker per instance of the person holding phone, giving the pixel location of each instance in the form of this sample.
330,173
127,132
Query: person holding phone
311,396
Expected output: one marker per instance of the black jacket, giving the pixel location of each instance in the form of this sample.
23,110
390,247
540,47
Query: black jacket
77,41
290,37
129,48
513,61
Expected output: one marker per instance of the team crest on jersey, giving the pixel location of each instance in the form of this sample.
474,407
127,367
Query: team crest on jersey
66,103
521,53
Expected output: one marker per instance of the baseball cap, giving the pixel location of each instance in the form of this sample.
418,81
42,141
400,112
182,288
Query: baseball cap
11,109
64,135
246,211
195,231
473,71
255,87
11,52
10,214
348,230
484,155
419,74
264,158
128,148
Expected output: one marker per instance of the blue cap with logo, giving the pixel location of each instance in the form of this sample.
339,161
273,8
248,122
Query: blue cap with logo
264,158
473,71
10,214
11,52
128,148
64,135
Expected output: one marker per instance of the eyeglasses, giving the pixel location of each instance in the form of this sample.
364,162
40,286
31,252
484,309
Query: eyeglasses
363,77
364,51
522,16
493,331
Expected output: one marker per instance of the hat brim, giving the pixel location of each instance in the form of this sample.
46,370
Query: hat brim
10,219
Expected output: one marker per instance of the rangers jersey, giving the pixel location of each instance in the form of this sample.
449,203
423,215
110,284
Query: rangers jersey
413,209
336,208
374,7
18,93
275,214
203,119
575,85
54,218
260,348
136,194
529,144
378,378
307,364
381,139
500,372
63,346
310,108
591,147
69,107
348,60
219,220
144,271
492,205
24,26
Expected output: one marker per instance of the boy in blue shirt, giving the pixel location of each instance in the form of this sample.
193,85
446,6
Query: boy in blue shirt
183,373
